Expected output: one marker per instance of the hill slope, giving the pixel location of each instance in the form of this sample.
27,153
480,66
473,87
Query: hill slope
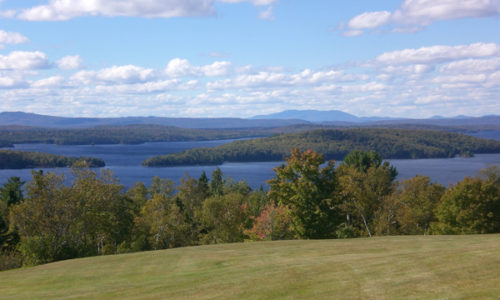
444,267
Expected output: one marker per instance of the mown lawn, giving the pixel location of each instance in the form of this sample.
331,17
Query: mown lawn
414,267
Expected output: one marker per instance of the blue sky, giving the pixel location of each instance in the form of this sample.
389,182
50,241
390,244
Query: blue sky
239,58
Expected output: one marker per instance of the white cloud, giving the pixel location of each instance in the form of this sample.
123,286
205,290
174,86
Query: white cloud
50,82
22,60
473,66
424,12
439,54
11,38
410,82
254,2
267,79
267,14
369,20
414,14
461,78
12,82
61,10
367,87
115,75
70,62
178,67
353,32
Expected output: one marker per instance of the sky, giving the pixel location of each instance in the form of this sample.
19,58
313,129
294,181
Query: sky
240,58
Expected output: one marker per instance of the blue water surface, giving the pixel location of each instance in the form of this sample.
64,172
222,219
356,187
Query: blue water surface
125,162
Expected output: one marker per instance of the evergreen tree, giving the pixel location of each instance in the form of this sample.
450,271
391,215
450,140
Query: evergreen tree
12,192
203,187
217,183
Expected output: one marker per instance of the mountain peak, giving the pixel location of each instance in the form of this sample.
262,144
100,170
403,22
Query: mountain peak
312,116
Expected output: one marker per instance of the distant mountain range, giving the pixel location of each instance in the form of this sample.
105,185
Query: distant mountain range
35,120
285,118
340,118
320,116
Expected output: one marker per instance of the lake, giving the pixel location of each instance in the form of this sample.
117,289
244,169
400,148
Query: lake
125,162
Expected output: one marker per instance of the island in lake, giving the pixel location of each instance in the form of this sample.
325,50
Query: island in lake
10,159
335,144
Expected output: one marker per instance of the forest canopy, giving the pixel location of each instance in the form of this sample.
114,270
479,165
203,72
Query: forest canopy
10,159
335,144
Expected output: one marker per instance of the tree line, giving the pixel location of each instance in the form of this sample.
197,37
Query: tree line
335,144
48,219
11,159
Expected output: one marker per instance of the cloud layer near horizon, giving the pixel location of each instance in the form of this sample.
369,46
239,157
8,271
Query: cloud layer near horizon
463,79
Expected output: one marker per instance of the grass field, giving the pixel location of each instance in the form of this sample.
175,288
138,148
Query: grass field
416,267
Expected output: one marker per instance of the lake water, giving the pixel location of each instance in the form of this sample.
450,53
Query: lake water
125,162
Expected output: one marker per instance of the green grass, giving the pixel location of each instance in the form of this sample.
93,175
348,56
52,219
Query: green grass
416,267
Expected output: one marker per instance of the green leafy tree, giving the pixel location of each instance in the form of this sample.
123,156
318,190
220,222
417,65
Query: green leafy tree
138,194
106,214
191,197
44,220
223,219
55,221
163,223
365,181
410,209
309,191
159,186
470,206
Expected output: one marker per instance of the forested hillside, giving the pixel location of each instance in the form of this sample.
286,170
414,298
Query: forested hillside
21,160
335,144
130,134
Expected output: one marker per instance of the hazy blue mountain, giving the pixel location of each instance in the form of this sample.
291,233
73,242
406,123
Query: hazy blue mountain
312,116
286,118
36,120
339,118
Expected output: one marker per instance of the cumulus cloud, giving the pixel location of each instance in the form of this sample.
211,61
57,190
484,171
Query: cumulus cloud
438,54
50,82
70,62
410,82
61,10
11,38
266,79
424,12
178,67
115,75
254,2
369,20
23,60
12,82
414,14
474,66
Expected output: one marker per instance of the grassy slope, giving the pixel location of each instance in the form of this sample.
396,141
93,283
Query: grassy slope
445,267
